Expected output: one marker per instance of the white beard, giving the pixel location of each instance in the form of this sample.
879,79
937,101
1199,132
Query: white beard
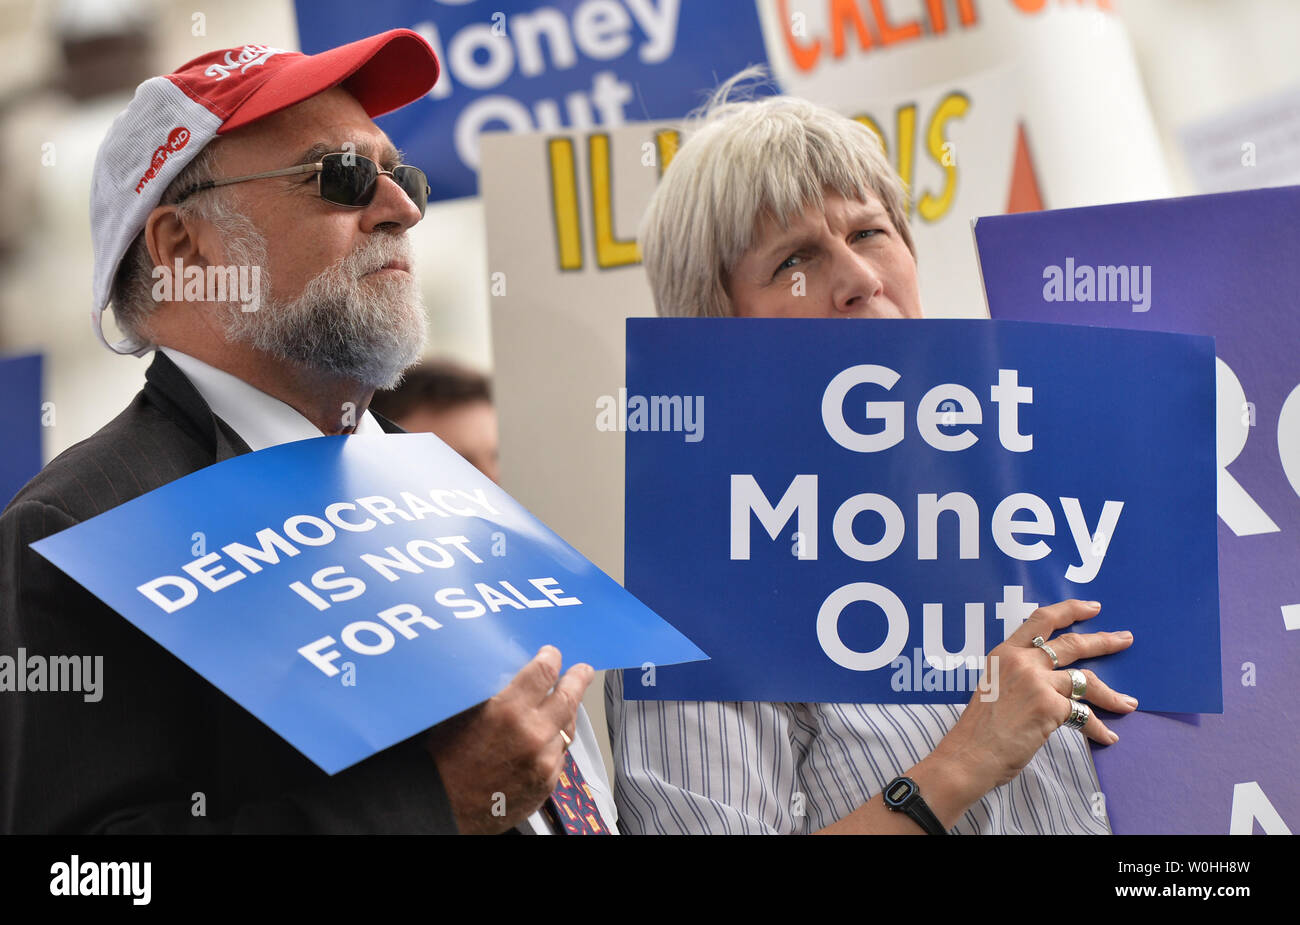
367,329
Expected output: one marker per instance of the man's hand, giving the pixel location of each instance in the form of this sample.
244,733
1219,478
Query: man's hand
500,760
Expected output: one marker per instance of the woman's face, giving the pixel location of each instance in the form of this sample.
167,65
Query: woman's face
844,261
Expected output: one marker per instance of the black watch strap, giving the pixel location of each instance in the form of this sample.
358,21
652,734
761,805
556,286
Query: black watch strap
903,796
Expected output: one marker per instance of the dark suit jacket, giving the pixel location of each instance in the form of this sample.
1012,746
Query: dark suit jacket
137,760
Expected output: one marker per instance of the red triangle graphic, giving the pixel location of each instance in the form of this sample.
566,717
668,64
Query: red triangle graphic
1025,195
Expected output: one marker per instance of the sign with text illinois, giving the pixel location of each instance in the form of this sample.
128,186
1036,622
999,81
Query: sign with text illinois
1152,266
352,592
868,507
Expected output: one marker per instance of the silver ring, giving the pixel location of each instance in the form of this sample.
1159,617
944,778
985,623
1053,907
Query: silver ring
1078,683
1038,641
1079,715
567,741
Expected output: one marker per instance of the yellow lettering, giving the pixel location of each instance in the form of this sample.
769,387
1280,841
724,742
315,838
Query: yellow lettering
907,149
666,142
953,106
564,200
610,251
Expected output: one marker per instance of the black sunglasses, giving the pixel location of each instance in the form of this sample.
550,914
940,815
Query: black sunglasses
345,179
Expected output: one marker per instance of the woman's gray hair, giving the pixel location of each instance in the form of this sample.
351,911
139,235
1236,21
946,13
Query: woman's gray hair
745,161
132,294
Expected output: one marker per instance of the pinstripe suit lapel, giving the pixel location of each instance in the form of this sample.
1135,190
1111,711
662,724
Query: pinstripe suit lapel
172,391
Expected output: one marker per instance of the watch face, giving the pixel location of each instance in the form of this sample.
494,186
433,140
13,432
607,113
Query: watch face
898,792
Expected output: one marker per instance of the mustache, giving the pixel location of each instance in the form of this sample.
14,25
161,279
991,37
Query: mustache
377,253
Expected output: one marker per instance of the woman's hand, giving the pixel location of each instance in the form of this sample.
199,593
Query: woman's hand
1006,723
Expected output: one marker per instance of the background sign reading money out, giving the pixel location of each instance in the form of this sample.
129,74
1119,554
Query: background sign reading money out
858,512
530,65
1223,265
352,592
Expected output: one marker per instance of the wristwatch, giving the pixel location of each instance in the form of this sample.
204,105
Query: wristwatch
903,796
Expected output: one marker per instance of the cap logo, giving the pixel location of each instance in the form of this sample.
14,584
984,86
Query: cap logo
249,56
177,138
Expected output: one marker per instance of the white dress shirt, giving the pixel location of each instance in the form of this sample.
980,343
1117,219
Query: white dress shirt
794,768
262,421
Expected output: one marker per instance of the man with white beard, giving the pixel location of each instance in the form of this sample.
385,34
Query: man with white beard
253,164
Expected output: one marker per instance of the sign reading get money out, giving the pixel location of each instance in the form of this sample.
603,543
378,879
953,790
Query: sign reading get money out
351,592
873,506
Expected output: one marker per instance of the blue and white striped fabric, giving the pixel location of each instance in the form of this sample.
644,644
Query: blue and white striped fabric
790,768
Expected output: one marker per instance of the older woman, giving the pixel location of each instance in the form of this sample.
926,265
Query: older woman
759,192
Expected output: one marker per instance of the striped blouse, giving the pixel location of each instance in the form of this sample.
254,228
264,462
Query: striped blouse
787,768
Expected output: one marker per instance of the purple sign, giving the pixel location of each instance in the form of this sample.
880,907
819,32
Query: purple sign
1222,265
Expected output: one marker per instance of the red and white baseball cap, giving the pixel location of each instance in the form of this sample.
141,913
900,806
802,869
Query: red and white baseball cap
171,118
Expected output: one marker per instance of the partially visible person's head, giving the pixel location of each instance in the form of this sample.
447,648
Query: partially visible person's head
762,190
335,290
455,403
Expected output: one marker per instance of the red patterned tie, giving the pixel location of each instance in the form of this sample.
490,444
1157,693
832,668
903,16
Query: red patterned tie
571,804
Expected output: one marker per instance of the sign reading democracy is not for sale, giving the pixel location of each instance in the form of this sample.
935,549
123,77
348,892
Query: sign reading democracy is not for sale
351,592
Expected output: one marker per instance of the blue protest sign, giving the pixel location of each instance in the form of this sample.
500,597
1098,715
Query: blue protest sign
351,592
20,383
1222,265
529,65
873,506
